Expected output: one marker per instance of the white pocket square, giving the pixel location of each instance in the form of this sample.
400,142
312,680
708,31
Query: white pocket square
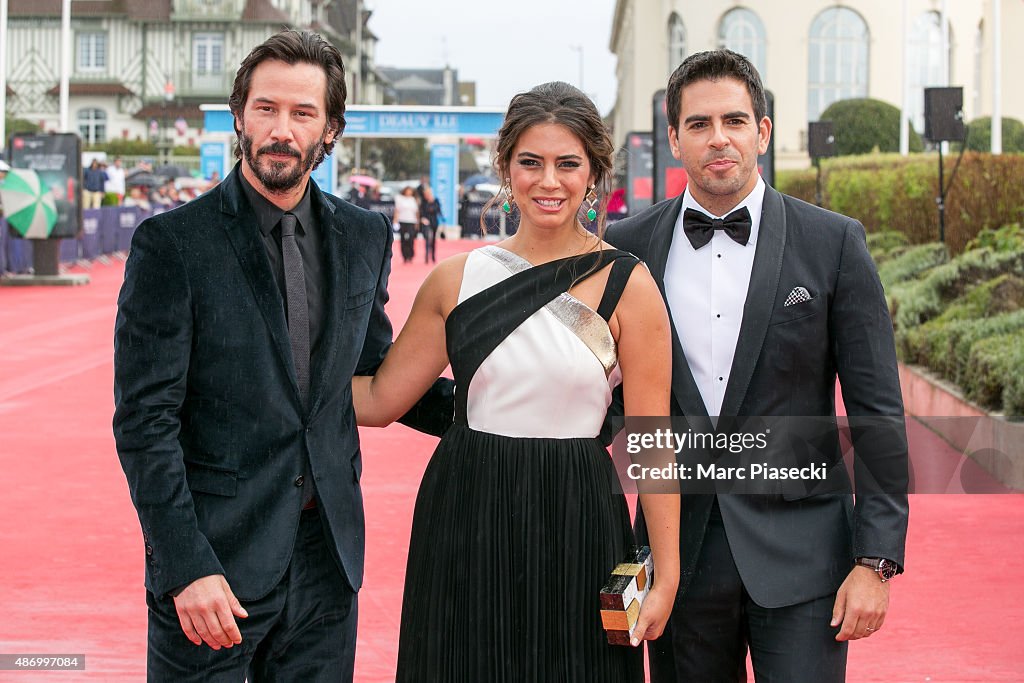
797,296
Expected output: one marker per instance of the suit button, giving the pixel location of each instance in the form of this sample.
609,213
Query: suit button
299,480
149,550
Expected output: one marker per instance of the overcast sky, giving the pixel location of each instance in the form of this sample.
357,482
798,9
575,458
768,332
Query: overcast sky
506,47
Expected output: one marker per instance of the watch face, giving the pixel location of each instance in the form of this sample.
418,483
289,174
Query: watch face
886,569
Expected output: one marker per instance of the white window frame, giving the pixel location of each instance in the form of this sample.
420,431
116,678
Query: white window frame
204,46
92,51
92,125
925,68
741,30
838,59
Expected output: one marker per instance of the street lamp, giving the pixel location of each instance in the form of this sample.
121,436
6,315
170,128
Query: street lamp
579,49
165,142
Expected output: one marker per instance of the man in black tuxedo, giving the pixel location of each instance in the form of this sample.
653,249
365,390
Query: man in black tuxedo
243,316
771,299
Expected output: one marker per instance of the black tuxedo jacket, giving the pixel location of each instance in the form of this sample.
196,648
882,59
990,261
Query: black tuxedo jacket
209,425
788,548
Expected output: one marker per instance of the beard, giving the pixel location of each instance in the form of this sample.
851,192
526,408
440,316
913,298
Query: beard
282,176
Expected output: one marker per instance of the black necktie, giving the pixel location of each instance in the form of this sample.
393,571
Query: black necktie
700,227
298,311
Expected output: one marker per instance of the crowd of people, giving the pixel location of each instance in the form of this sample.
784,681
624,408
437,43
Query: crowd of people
112,184
416,212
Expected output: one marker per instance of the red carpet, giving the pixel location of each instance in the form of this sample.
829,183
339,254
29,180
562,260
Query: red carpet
71,550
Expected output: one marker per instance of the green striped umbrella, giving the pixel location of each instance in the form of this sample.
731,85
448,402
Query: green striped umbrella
29,210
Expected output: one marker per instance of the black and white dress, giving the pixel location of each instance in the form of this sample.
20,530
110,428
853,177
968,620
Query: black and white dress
519,518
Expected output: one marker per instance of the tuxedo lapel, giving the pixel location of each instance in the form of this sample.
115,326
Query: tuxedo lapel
335,247
684,388
240,226
757,310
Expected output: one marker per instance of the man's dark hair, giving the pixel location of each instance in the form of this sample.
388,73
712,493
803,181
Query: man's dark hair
296,47
714,65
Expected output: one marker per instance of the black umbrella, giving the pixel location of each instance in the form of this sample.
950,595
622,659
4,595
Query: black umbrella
171,171
142,179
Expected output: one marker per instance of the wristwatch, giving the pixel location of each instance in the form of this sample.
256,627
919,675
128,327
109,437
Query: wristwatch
885,569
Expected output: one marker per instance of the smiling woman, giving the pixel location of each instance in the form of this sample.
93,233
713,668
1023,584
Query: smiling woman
517,525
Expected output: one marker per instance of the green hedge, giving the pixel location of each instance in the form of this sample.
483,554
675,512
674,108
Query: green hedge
892,192
1013,393
801,183
910,262
994,368
1007,238
917,301
883,243
939,343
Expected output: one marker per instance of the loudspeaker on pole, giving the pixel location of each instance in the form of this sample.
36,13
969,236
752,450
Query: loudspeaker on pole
944,114
821,139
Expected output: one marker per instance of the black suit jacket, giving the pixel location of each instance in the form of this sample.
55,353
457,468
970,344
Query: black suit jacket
209,426
790,548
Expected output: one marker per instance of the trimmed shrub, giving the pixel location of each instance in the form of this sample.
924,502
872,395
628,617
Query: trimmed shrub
801,184
1007,238
934,343
1003,294
867,125
1013,393
911,262
890,192
917,301
979,135
991,363
884,242
14,125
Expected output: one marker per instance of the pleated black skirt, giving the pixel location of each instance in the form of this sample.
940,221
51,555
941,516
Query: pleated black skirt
512,540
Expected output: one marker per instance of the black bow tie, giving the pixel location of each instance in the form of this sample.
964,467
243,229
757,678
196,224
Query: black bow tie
700,227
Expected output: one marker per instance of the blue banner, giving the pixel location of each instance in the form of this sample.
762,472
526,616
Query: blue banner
211,158
421,123
326,174
444,177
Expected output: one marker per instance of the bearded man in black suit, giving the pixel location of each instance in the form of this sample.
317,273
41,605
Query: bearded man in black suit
771,300
243,316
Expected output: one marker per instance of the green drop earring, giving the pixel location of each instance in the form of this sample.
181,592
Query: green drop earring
591,200
510,201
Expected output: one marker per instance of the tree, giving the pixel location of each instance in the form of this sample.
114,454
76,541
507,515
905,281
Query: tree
979,135
13,125
866,125
402,158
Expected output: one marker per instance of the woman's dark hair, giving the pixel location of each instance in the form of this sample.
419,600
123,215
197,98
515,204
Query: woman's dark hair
560,103
296,47
714,65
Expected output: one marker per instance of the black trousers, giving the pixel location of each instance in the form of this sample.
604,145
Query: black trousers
407,231
429,243
304,630
715,622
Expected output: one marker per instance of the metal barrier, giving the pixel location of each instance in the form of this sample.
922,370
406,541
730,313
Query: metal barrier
105,231
109,229
469,219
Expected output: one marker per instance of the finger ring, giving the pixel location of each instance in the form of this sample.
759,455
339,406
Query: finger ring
869,629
